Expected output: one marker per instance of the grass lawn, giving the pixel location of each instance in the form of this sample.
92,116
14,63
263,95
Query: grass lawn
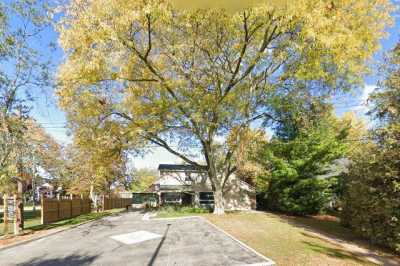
33,220
295,240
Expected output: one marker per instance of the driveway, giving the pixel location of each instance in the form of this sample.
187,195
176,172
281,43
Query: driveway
125,239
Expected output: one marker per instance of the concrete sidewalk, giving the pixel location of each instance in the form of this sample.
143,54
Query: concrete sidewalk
190,241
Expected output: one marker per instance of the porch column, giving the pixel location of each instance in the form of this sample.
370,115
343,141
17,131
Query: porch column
196,199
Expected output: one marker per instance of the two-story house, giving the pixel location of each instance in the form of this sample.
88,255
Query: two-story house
186,184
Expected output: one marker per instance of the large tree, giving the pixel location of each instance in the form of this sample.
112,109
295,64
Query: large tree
23,72
372,187
300,173
143,179
185,78
95,162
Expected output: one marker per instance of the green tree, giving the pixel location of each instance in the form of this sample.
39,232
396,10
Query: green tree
143,179
185,78
372,186
96,165
298,169
23,71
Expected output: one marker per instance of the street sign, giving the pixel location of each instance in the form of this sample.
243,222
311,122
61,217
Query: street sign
11,208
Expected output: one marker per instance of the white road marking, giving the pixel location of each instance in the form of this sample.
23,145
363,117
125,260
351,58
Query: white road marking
147,216
112,218
135,237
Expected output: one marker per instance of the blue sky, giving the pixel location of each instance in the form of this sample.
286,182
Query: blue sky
47,113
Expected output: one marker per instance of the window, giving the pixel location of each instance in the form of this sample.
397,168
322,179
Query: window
140,198
206,197
171,197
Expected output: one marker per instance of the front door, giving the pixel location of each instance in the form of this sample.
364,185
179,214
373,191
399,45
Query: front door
187,198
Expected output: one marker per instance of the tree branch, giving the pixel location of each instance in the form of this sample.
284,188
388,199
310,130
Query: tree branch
268,37
158,141
148,36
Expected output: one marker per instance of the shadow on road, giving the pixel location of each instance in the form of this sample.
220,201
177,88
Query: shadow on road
71,260
153,258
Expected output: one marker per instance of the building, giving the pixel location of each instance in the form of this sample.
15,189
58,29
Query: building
188,185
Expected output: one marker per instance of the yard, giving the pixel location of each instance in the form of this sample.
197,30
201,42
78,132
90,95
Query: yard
301,241
32,221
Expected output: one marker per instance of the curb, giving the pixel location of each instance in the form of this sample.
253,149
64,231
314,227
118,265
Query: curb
268,262
22,242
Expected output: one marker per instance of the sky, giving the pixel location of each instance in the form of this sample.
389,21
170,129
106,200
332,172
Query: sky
46,112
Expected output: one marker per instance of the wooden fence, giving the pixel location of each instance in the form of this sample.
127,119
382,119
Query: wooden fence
55,210
114,203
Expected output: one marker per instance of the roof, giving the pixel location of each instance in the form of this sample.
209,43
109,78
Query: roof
180,167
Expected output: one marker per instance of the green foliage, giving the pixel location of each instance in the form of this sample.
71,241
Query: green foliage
372,187
184,79
372,197
298,169
143,179
23,71
179,210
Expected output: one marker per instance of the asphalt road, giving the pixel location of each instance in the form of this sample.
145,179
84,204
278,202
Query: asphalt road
190,241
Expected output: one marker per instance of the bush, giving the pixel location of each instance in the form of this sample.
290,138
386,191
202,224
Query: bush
182,209
302,197
371,200
299,175
372,187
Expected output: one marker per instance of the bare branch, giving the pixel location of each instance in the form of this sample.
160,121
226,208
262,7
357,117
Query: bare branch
157,140
160,142
243,50
268,37
148,36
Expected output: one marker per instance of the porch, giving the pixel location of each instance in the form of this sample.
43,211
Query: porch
159,198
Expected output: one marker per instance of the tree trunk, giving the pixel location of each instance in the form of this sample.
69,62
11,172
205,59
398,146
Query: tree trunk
219,207
93,197
19,212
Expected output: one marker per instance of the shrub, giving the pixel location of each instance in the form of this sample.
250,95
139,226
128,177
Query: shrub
299,171
371,200
372,187
182,209
302,197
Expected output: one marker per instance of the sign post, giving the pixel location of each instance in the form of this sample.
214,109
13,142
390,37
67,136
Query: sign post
15,215
18,214
9,212
5,214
